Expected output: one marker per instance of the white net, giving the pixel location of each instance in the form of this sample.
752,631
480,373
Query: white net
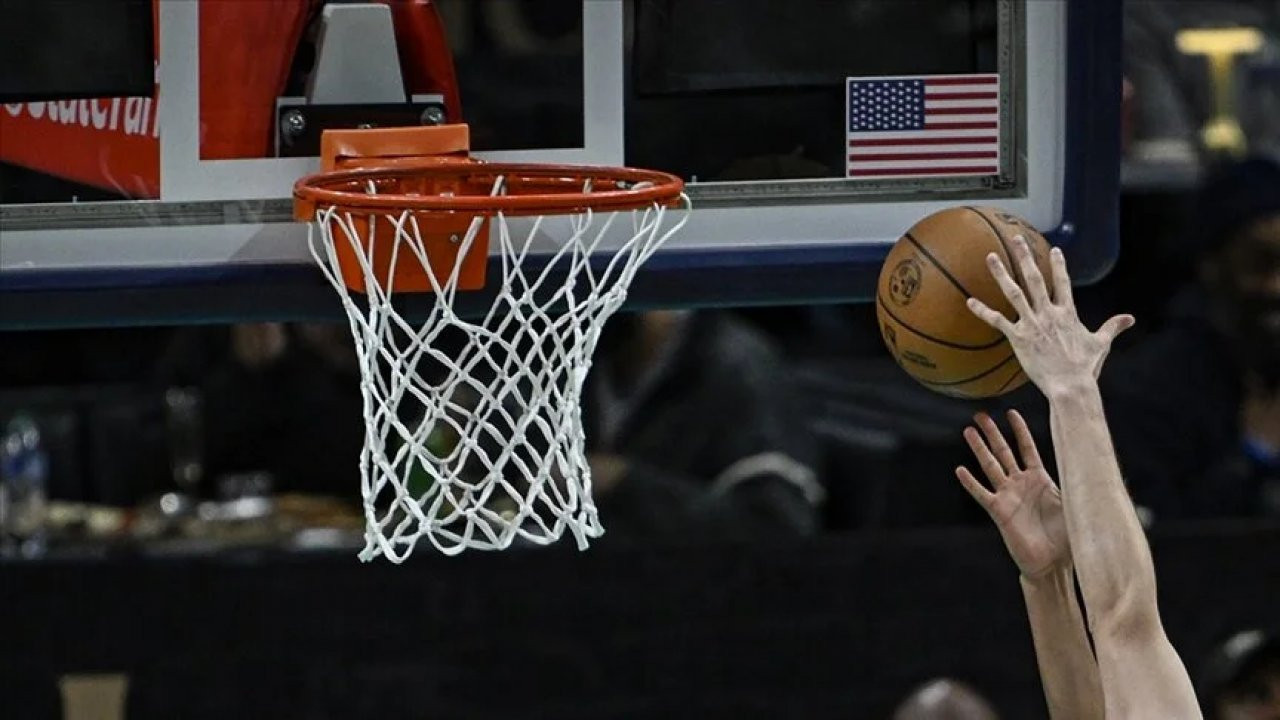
473,426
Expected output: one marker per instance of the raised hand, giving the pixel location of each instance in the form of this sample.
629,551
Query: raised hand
1052,345
1023,500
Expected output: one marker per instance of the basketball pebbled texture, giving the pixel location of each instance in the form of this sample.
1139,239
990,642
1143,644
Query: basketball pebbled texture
920,300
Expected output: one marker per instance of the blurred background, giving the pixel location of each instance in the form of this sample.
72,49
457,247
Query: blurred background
182,507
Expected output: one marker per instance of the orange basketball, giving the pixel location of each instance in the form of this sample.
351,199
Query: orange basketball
920,300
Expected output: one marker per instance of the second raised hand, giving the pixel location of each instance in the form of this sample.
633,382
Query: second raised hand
1023,500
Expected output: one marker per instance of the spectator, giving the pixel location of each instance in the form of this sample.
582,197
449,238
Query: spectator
691,429
284,399
945,700
1241,678
1197,406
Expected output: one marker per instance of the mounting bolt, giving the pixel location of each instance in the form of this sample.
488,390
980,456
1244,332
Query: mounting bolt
293,123
433,115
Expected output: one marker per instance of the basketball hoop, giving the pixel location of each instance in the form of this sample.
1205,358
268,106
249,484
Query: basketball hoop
473,428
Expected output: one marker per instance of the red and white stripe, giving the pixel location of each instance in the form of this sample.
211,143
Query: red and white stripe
961,134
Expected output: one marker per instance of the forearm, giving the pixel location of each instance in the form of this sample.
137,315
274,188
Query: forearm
1068,669
1112,560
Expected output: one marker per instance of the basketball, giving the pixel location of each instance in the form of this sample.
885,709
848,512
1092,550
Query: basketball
920,300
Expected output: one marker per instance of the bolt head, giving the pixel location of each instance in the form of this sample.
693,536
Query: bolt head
293,122
433,115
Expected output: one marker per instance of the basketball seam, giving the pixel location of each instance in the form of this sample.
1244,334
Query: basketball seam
1008,254
1010,380
946,273
979,376
945,343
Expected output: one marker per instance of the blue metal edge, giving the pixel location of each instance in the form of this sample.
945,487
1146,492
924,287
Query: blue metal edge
1091,201
773,276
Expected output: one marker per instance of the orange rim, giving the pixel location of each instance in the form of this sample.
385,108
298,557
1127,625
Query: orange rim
529,189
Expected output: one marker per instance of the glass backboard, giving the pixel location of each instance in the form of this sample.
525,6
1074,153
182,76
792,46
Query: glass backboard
787,120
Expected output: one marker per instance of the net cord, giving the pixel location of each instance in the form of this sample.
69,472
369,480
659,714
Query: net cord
535,341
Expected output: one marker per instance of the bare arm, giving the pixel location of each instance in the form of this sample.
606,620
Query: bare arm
1027,509
1141,673
1068,670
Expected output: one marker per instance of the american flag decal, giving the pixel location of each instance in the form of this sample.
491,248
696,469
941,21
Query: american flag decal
923,125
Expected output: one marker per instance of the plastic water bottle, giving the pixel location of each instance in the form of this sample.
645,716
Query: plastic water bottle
24,480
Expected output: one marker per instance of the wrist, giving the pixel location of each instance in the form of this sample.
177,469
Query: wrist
1057,576
1072,389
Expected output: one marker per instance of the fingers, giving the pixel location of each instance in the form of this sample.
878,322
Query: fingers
991,467
1114,326
1008,285
1032,278
1026,443
995,440
989,316
975,489
1061,279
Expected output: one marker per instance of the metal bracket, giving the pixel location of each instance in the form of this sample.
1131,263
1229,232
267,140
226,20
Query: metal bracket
357,82
299,123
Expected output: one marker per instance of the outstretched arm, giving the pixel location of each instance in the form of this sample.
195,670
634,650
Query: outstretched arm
1027,509
1141,673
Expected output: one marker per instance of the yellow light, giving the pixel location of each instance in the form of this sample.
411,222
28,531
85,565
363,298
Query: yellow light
1221,47
1219,41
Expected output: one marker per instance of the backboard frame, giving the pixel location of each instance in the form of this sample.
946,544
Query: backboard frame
741,276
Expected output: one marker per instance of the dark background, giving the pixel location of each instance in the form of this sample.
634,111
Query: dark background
81,49
840,627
